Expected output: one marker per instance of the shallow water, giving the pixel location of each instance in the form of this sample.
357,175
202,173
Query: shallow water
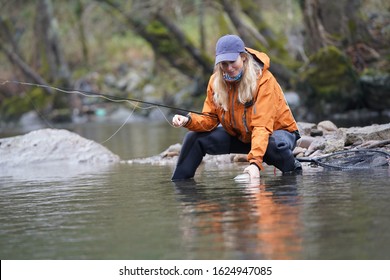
136,212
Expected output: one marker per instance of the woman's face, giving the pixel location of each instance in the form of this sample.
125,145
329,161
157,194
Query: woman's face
233,68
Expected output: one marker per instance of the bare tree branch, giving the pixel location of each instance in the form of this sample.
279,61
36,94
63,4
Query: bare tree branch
183,41
27,70
249,35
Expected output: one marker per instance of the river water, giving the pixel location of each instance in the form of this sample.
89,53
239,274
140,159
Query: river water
135,212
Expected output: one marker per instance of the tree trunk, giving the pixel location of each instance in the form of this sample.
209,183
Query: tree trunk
169,43
340,24
254,39
337,23
317,36
181,38
250,36
49,55
202,32
79,11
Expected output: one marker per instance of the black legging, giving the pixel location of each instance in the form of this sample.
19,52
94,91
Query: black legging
217,142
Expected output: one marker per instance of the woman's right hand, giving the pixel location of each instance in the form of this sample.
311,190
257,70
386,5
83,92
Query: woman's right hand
179,120
253,171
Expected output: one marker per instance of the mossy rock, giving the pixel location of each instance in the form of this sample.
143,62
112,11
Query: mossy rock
328,83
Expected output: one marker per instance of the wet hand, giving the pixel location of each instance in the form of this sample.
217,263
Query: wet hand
253,171
179,120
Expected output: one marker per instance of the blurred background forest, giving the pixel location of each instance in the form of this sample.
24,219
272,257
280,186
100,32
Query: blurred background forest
332,58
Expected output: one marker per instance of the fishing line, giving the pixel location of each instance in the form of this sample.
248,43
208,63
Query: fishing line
123,124
109,97
38,112
132,101
83,94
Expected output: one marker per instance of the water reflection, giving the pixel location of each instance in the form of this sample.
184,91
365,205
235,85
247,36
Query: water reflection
252,221
51,217
136,212
53,171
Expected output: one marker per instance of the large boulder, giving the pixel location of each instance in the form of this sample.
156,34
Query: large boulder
52,146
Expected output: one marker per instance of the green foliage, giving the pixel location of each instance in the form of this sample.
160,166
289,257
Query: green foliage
113,44
156,28
167,44
12,108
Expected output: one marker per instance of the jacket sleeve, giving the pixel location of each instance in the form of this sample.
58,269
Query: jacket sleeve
202,123
263,119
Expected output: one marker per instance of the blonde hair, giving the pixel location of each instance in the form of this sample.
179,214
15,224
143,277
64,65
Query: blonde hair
246,87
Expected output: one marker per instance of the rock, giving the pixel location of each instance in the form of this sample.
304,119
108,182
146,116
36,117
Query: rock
335,139
240,158
52,146
305,128
225,159
110,80
327,92
130,82
299,151
148,90
167,157
362,134
334,142
317,153
317,144
329,143
305,141
327,127
316,132
172,151
371,144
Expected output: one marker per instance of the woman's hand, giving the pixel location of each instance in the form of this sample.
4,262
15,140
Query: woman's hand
253,171
179,120
250,175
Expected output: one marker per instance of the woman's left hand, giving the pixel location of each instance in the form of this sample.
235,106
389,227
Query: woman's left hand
253,171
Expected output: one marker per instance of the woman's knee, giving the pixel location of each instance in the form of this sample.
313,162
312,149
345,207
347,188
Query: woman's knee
283,140
213,142
279,150
190,136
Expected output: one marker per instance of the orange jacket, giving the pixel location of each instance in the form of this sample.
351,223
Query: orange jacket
254,122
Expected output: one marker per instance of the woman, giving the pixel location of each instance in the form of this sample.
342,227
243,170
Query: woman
244,112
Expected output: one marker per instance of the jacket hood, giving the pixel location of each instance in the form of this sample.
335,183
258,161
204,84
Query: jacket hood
260,57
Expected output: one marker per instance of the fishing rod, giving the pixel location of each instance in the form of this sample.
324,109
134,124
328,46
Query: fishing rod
108,97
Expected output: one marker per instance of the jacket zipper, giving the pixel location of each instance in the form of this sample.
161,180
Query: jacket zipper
244,121
232,121
223,118
247,105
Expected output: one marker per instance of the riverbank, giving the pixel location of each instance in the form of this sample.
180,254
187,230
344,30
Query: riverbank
45,146
316,140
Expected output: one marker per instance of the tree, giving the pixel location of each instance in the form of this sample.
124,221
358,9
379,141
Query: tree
261,37
341,50
156,25
339,24
49,57
48,65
